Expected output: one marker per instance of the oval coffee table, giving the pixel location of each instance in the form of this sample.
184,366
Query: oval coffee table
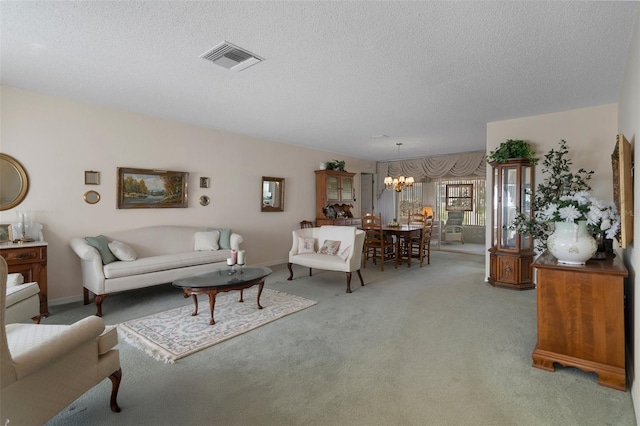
222,280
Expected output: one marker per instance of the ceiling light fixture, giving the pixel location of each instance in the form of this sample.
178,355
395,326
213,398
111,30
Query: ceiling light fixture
399,182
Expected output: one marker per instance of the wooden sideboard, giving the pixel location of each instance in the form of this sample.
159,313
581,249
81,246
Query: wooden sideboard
339,222
30,260
581,317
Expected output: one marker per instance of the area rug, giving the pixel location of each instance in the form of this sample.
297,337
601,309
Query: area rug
174,334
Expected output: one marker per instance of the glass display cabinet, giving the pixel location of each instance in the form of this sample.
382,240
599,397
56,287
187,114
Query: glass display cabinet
511,254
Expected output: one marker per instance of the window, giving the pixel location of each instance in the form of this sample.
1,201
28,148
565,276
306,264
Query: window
459,197
477,215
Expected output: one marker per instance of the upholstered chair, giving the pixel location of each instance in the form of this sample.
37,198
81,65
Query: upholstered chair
44,368
23,300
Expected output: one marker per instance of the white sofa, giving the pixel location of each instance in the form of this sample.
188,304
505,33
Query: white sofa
164,254
348,258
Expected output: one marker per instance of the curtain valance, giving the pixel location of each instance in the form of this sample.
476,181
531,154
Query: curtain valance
442,166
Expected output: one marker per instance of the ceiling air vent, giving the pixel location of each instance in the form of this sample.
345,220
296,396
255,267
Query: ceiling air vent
231,57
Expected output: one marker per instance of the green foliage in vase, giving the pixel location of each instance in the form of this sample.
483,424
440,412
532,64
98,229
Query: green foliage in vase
558,181
512,149
336,165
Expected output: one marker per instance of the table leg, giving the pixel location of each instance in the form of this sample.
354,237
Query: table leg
260,292
195,304
241,291
212,305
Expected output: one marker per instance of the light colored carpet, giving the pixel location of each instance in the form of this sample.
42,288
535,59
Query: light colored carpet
416,346
174,334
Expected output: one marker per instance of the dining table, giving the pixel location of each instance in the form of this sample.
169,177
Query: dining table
402,234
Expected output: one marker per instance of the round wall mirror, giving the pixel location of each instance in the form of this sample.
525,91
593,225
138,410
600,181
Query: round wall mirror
204,200
14,183
91,197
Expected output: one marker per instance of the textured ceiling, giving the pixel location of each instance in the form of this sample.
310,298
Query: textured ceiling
428,74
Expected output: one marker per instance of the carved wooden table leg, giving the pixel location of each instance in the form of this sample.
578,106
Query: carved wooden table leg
195,304
212,304
260,293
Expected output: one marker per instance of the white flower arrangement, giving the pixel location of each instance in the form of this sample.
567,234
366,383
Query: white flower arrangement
600,216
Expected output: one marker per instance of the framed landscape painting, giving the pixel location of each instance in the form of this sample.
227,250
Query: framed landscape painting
151,189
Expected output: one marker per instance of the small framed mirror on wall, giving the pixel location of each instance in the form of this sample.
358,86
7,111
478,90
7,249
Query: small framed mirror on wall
272,198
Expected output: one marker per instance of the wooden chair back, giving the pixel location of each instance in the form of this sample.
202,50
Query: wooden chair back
306,224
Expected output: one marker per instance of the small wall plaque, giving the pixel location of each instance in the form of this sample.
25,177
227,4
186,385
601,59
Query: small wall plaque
91,177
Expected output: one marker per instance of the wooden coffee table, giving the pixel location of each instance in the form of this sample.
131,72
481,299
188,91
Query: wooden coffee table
222,280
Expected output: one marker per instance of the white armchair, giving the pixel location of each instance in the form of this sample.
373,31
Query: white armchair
23,300
347,259
44,368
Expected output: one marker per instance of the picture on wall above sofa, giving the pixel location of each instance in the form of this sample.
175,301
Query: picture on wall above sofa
141,188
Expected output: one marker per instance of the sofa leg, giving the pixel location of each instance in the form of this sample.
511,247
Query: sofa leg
360,276
290,272
310,274
348,282
36,319
115,377
99,299
85,293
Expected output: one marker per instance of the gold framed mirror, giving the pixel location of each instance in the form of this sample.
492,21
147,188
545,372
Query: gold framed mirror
91,197
14,183
272,196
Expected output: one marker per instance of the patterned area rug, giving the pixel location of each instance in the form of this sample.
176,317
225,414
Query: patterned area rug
174,334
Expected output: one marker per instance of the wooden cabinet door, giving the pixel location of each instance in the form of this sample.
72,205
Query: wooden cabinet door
346,192
333,189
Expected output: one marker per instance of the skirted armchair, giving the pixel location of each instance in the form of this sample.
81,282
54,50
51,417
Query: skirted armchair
44,368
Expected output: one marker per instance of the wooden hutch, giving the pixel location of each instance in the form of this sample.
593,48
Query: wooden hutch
511,254
335,189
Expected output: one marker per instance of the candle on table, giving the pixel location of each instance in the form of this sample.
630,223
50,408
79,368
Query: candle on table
241,257
230,261
234,256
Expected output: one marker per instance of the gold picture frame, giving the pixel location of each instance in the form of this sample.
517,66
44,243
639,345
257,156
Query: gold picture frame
621,163
91,177
151,189
6,233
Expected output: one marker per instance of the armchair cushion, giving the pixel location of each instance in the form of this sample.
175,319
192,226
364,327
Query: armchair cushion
330,247
306,245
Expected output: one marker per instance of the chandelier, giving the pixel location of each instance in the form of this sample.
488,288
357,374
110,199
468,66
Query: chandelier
399,182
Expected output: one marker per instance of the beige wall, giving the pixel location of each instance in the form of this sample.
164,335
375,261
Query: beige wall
629,125
590,134
56,140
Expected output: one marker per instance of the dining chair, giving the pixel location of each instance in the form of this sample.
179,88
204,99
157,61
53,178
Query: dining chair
306,224
420,245
376,244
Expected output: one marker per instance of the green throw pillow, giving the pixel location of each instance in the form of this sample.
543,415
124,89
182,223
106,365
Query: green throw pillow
225,237
101,243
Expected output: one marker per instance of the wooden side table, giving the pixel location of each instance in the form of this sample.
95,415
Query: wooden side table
581,317
30,260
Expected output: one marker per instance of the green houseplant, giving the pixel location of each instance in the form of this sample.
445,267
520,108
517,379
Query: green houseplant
512,149
336,165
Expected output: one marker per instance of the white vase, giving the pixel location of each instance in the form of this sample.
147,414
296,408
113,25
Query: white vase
570,243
